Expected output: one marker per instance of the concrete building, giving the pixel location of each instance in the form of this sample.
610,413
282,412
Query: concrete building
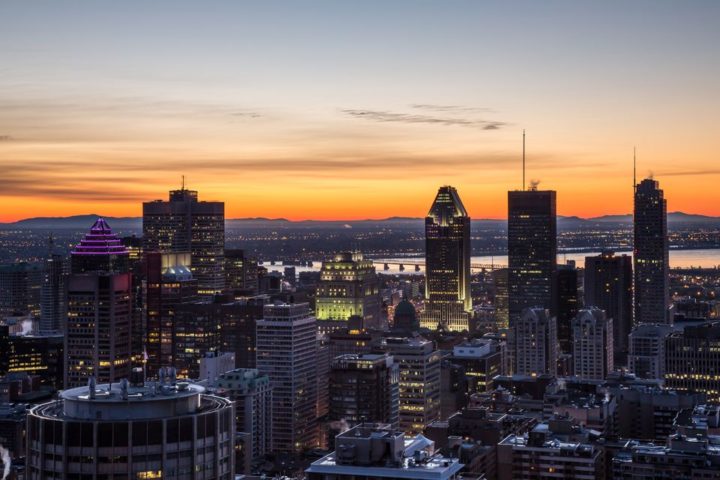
364,389
241,273
378,452
252,395
98,333
286,353
53,296
348,286
554,449
646,358
419,386
162,430
534,339
692,360
592,334
185,224
482,360
608,285
20,289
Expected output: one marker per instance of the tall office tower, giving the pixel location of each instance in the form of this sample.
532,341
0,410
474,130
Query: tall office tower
184,224
133,432
692,360
564,304
252,395
348,286
241,273
419,387
52,294
535,343
652,286
286,352
99,325
500,293
224,325
364,388
608,285
167,284
646,357
20,286
532,249
592,344
448,303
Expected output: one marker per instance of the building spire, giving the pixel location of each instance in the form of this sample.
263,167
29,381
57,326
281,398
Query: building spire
523,166
634,168
182,186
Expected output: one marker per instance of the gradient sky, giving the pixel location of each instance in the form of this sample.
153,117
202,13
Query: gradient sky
355,109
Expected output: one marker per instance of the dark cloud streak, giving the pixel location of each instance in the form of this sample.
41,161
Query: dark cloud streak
394,117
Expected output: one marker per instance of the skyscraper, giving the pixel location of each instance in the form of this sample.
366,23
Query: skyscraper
52,295
608,285
241,272
564,304
286,353
348,286
419,384
184,224
652,289
168,283
532,249
99,325
592,344
448,303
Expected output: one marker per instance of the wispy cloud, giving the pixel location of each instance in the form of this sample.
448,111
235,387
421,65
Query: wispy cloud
684,173
450,108
385,116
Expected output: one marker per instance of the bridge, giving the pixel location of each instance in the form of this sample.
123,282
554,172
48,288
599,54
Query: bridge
418,264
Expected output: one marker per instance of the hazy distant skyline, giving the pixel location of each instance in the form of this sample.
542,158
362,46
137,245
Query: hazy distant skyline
347,110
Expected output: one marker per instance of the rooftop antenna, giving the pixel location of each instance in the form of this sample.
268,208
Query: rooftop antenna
183,183
634,168
523,184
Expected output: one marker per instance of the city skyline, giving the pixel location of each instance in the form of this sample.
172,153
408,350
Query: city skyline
315,118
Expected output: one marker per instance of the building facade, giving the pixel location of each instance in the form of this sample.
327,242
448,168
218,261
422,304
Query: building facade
532,249
348,286
419,385
608,285
364,388
287,354
98,333
104,432
534,338
650,254
185,224
592,334
448,302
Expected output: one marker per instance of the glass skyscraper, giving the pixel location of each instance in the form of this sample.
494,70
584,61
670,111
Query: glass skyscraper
532,249
652,296
448,303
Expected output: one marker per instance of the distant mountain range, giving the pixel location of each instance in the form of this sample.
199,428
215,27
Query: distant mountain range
135,223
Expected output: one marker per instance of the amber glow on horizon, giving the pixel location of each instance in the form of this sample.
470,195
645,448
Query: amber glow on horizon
342,113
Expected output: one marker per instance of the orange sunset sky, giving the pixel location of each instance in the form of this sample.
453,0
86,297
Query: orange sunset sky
348,110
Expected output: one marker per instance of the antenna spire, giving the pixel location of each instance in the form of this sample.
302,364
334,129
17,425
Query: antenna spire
523,183
183,183
634,168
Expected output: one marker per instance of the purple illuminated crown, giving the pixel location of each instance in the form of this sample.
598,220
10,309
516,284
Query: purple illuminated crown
100,241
